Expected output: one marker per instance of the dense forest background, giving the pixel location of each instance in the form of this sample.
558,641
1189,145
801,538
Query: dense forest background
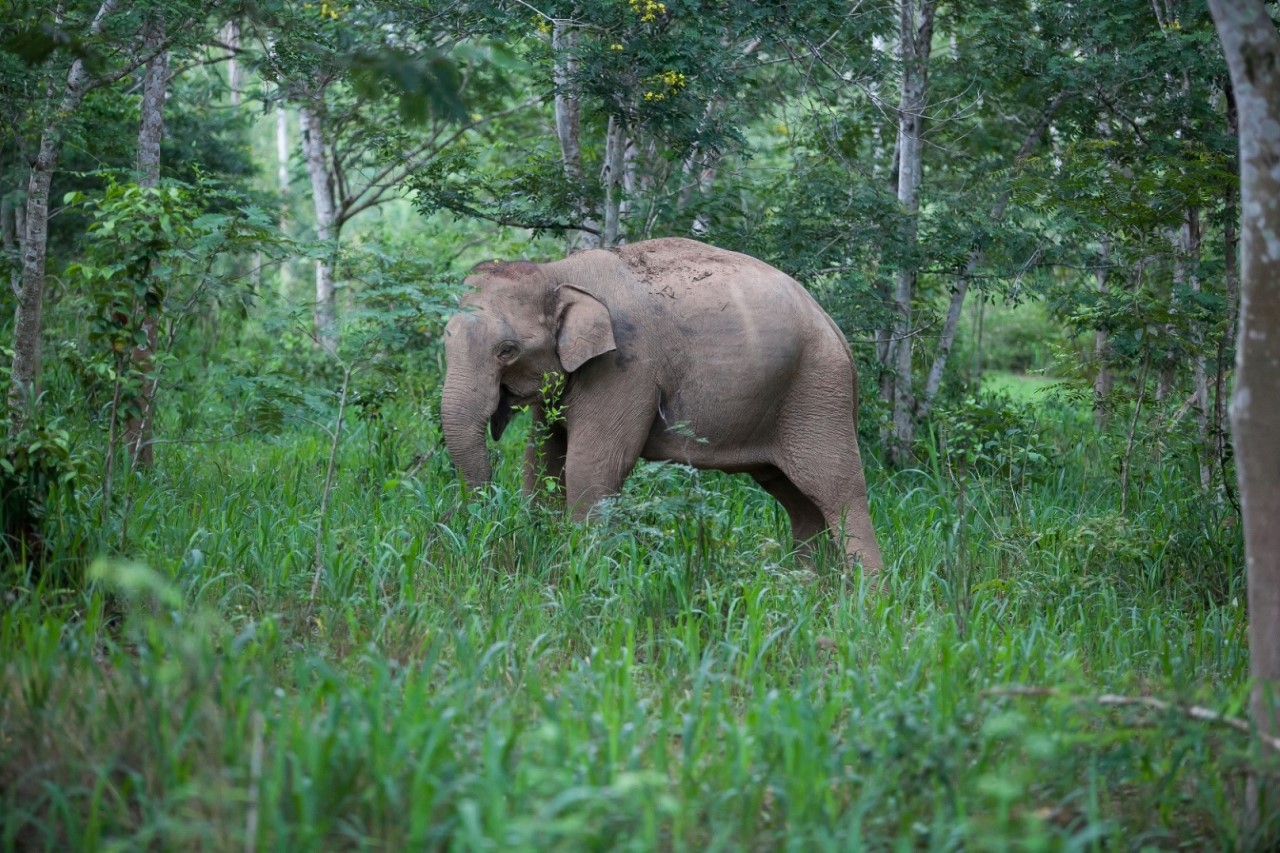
247,601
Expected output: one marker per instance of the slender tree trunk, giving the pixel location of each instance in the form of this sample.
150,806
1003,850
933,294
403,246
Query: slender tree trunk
614,167
235,71
1189,258
8,226
1231,283
884,289
916,29
137,433
961,288
1103,379
1252,47
698,171
19,234
630,179
24,380
9,219
702,179
282,179
569,132
25,377
326,312
975,370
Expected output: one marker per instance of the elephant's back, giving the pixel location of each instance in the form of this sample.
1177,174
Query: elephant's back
706,290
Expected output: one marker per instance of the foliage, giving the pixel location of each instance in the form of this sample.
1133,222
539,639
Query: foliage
989,435
299,630
39,464
151,253
487,673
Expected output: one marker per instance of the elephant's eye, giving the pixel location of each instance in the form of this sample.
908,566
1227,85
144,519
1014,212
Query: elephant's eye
507,351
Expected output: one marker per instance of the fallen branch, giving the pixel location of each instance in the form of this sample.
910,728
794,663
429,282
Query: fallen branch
1195,712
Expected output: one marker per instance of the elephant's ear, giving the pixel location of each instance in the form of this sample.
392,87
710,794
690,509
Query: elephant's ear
584,329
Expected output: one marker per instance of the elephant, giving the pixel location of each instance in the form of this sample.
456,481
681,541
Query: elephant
668,350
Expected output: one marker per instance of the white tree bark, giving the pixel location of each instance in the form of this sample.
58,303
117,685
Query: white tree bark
569,132
1252,47
1231,282
24,383
282,178
137,436
1187,262
615,145
916,34
1104,379
313,146
235,71
9,236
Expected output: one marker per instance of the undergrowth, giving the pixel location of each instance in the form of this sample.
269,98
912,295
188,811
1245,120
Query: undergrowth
476,672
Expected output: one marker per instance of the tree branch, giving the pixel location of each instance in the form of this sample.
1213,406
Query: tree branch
1195,712
394,173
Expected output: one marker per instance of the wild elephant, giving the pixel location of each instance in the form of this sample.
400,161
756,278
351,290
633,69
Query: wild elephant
670,350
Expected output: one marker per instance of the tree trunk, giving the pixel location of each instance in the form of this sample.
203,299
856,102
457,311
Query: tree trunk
24,380
1231,283
615,145
137,434
9,219
630,181
916,30
699,169
326,313
8,226
235,71
1252,47
1104,379
24,384
1189,259
701,179
569,132
282,178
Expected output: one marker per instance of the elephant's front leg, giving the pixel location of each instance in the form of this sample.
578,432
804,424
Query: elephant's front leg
544,455
603,448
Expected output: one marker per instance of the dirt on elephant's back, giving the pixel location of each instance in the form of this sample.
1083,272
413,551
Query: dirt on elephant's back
674,261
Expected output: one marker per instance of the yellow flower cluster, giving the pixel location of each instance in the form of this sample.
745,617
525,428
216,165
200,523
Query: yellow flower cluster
542,25
648,10
615,46
327,10
666,83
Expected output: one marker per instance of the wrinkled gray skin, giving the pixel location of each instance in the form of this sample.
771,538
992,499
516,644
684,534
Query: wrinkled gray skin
673,350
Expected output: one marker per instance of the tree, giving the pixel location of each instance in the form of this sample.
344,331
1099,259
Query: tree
1252,47
915,44
68,56
647,98
64,101
155,84
352,72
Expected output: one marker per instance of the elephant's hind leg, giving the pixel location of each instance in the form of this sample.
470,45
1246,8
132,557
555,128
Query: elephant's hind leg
838,489
807,522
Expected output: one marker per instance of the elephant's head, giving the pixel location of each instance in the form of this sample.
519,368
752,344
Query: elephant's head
515,326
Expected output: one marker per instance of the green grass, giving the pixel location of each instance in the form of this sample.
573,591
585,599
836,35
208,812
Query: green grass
479,674
1021,387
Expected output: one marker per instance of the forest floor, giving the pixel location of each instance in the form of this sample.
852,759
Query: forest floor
1022,387
474,672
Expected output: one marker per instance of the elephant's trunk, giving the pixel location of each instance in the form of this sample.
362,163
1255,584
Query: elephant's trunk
465,410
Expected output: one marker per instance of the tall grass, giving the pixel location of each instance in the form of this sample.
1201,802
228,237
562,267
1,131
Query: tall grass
478,673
